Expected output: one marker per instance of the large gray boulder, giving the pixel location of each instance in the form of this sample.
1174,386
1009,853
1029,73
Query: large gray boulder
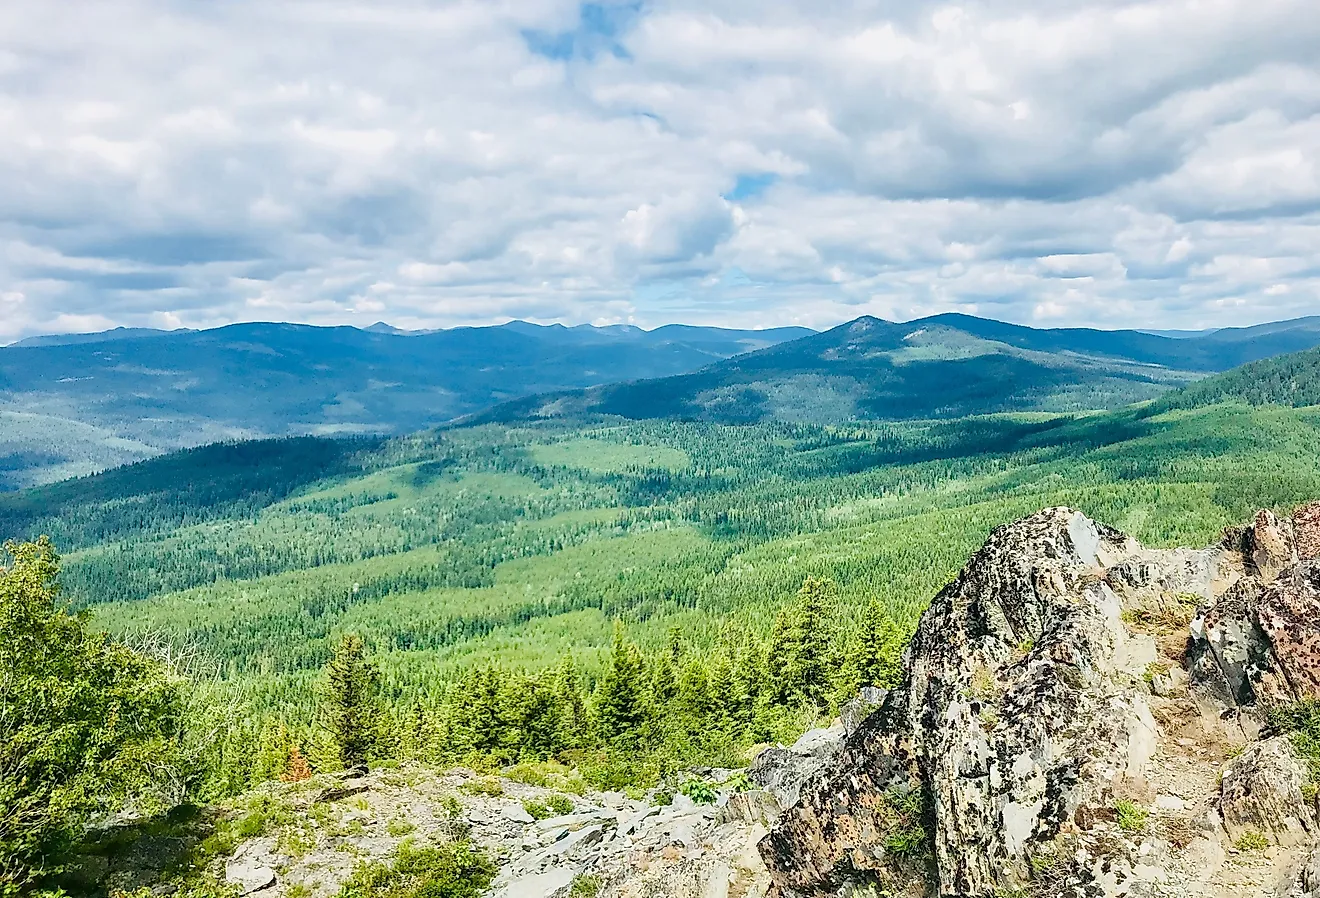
782,771
1263,792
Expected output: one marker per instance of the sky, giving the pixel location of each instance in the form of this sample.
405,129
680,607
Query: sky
748,163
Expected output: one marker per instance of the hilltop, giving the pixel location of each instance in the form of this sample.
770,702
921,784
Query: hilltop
1292,379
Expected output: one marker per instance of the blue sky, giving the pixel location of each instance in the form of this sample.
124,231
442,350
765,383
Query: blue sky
725,162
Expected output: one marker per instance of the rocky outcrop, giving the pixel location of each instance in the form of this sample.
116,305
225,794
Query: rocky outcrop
782,771
1263,792
1258,644
1067,710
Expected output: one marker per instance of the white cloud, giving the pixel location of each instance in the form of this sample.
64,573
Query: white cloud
436,163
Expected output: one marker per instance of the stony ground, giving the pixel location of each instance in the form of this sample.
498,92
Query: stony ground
321,829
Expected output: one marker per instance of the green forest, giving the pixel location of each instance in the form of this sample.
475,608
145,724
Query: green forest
621,600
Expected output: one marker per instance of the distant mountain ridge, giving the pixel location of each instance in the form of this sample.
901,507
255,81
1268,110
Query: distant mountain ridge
71,405
119,333
943,366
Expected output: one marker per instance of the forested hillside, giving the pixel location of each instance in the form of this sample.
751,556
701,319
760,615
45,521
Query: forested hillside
1286,380
946,366
74,405
495,562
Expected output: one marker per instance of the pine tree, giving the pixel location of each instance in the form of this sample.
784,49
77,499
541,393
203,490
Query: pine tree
621,700
811,667
797,662
779,659
572,710
350,702
876,656
664,683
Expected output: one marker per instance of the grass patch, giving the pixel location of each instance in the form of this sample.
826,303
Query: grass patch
1132,817
905,815
547,775
551,806
585,887
487,786
399,827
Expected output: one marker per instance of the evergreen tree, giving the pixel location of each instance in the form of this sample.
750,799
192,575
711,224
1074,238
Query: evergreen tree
621,699
798,658
572,709
85,723
538,717
811,673
664,684
350,702
875,658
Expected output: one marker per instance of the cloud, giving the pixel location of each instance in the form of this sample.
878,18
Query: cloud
723,161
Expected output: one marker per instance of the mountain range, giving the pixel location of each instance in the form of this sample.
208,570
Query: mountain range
944,366
70,405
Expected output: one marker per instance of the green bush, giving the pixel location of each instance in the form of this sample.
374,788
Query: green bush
585,887
551,806
86,723
456,870
699,791
1252,840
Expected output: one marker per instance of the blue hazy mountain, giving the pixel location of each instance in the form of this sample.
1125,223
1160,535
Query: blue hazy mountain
73,404
943,366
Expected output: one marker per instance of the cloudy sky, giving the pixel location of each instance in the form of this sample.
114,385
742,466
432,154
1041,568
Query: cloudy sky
739,162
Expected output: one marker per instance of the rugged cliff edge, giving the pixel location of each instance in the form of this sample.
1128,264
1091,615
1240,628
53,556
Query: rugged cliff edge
1083,716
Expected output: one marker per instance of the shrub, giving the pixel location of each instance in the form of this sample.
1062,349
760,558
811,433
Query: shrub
551,806
487,786
1251,840
457,870
739,782
699,791
585,887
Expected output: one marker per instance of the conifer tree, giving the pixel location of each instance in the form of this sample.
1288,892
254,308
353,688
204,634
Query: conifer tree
572,710
812,643
621,699
875,658
798,657
664,684
779,658
350,701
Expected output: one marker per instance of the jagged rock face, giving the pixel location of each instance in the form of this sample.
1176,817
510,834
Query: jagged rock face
1258,644
782,771
1262,793
1306,530
1047,720
1003,704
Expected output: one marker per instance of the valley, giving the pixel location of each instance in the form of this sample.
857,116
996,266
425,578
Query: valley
600,602
77,404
